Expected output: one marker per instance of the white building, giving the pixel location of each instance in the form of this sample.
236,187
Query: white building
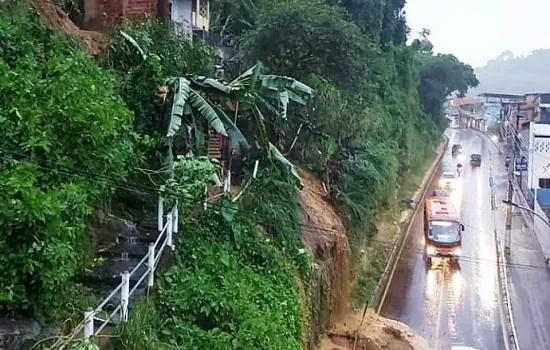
538,160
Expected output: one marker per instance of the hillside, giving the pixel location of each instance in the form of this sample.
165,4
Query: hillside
515,74
319,142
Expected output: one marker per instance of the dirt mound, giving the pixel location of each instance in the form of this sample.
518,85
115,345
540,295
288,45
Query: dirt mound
375,333
324,235
56,18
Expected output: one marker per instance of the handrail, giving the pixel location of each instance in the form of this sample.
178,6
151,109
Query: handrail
151,259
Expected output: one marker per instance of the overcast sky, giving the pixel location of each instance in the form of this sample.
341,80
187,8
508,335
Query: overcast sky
479,30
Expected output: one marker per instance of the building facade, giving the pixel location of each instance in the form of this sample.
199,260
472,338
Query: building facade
188,16
535,154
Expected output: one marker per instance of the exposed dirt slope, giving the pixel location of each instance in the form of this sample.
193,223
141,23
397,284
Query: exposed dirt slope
324,234
375,333
56,18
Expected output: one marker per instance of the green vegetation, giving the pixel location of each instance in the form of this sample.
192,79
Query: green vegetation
61,121
330,86
236,292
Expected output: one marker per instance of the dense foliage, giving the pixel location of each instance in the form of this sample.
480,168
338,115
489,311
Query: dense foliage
365,113
229,289
65,139
374,117
168,56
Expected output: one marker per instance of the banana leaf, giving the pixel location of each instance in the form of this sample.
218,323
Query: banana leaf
181,89
134,44
281,83
235,135
206,110
277,155
210,83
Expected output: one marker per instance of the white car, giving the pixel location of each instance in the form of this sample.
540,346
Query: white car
447,179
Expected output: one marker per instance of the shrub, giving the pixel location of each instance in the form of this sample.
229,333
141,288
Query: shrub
65,139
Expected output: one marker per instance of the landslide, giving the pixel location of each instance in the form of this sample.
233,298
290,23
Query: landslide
54,17
372,333
324,235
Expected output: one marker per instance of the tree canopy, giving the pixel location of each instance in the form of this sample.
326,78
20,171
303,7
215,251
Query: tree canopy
440,76
298,38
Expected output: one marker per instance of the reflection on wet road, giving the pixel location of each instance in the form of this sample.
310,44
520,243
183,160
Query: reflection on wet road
450,304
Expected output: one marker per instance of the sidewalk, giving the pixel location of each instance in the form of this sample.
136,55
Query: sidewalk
528,274
539,228
529,281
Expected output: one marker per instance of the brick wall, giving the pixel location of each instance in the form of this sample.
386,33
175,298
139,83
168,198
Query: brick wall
140,7
101,13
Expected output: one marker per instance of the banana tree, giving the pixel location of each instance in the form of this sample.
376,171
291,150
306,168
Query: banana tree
255,92
188,104
253,88
187,107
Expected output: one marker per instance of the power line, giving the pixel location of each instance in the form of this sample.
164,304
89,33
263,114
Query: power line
304,227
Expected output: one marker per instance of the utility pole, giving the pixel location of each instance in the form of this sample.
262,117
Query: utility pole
508,233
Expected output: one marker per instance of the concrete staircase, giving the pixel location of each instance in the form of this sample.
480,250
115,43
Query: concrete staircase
124,252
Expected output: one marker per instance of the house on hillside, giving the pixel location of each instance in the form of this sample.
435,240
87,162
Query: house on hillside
188,16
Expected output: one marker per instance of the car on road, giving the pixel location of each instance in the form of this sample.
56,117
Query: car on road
440,192
442,229
447,180
475,159
456,149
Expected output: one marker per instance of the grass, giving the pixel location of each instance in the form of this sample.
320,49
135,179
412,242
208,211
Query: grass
412,181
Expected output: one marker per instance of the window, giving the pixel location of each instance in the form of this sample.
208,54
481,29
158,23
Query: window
544,183
444,231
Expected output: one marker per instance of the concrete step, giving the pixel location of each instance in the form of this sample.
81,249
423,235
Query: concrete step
142,235
108,274
126,249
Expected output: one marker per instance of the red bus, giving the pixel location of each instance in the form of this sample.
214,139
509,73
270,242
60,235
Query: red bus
442,229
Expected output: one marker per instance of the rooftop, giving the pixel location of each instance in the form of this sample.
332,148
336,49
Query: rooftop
491,94
441,208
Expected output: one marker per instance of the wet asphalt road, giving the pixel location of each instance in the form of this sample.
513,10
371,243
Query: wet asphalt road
447,304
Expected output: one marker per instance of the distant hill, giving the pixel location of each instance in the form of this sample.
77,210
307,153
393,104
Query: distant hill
515,74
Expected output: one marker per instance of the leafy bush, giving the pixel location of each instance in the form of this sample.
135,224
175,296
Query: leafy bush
229,289
272,202
188,181
65,139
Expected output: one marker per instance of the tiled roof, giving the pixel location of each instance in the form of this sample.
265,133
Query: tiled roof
465,101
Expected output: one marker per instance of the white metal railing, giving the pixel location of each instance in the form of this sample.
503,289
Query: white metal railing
120,314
